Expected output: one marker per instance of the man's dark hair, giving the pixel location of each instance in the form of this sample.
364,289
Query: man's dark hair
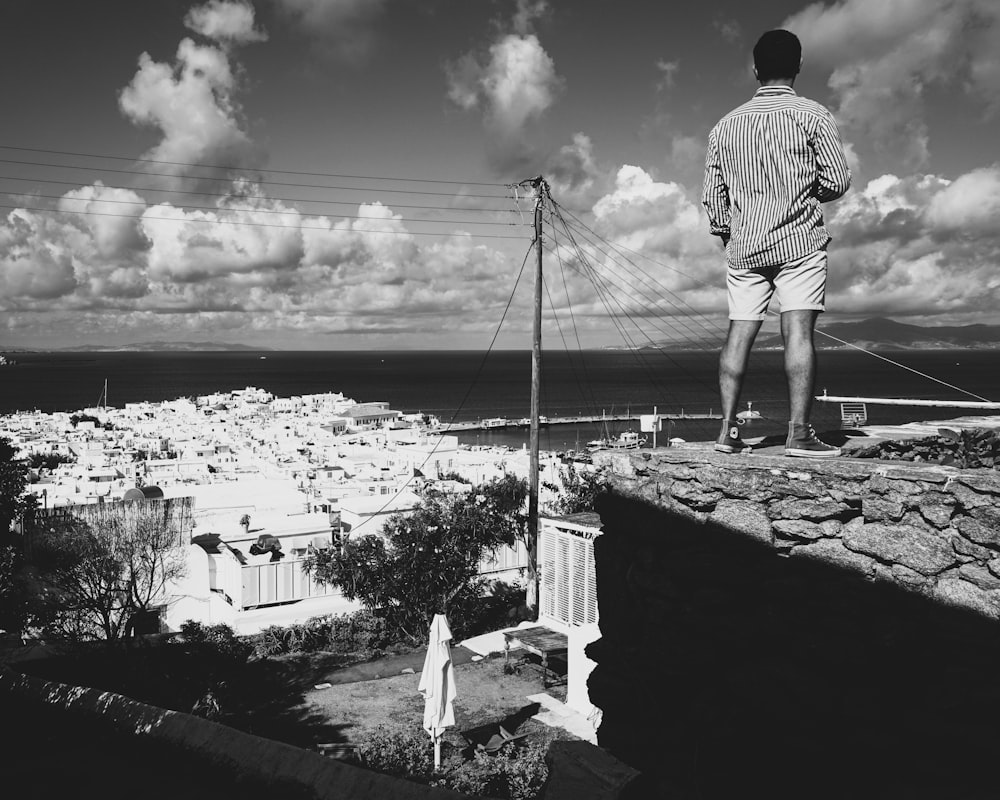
777,54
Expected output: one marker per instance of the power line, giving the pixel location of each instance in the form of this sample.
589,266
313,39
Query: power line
266,211
250,224
468,392
233,168
223,195
259,183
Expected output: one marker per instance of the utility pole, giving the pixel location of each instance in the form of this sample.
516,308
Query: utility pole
531,601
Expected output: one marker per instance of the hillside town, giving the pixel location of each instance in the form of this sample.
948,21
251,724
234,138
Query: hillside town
266,480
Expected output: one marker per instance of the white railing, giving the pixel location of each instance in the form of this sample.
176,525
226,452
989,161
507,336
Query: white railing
280,582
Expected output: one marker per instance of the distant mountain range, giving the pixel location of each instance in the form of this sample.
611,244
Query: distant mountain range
149,347
877,333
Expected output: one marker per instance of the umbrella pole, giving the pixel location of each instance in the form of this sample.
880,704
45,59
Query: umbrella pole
437,752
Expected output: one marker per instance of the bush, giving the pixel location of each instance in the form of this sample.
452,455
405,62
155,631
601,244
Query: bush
515,773
362,633
403,753
221,638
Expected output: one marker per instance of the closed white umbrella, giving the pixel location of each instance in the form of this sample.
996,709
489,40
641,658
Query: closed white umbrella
437,684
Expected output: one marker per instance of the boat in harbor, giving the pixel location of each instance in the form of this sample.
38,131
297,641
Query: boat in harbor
749,414
627,440
6,362
494,422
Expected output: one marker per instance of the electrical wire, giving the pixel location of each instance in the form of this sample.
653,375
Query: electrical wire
250,224
260,183
226,195
468,392
234,168
252,210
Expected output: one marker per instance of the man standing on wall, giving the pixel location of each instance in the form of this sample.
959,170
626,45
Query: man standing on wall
769,165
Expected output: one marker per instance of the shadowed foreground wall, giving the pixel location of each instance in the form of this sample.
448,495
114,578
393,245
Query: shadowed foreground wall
782,628
147,752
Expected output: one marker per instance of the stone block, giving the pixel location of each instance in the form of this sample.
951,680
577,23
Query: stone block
969,498
937,508
927,553
810,510
963,594
981,576
695,496
831,527
978,531
967,548
897,573
982,482
879,509
745,517
833,551
798,529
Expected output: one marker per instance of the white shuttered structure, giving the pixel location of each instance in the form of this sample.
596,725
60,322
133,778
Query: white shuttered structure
568,583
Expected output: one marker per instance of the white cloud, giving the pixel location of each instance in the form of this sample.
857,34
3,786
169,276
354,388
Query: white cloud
514,83
885,55
192,103
341,28
917,246
226,21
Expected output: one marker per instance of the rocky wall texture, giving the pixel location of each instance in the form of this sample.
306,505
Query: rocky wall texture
930,529
798,628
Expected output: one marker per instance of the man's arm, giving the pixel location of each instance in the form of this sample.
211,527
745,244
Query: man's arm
833,176
715,193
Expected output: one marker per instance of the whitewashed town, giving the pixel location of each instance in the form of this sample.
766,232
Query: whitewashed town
269,480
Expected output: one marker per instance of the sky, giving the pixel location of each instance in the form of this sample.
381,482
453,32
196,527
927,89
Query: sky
339,174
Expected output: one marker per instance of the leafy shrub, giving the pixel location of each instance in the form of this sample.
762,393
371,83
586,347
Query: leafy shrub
220,637
363,633
405,753
515,773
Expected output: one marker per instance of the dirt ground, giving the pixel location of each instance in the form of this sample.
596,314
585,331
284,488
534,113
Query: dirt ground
484,695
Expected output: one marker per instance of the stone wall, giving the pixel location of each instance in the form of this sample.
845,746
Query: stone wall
212,759
798,628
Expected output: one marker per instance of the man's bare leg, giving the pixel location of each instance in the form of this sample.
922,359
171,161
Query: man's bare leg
733,363
800,362
800,367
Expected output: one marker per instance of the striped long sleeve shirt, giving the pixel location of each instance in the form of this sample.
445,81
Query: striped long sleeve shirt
770,163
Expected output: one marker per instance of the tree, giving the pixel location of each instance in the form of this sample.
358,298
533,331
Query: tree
14,502
97,569
427,562
578,491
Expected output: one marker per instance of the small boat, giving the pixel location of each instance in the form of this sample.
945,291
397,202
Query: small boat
749,414
495,422
7,362
628,440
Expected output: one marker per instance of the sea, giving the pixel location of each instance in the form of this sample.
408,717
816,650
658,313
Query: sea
469,386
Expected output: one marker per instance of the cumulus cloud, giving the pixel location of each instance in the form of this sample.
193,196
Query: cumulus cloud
90,253
339,28
193,104
884,56
513,83
919,245
575,178
251,264
226,21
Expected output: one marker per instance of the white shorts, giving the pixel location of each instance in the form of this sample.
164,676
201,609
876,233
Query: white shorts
800,285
